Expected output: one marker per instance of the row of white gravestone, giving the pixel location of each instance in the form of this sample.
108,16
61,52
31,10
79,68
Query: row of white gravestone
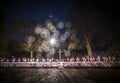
25,60
98,58
77,59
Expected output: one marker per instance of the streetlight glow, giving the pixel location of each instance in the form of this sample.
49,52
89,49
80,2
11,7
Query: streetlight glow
52,41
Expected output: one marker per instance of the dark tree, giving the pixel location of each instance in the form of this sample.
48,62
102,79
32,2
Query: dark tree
93,26
3,35
23,30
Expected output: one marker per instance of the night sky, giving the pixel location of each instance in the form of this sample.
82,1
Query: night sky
42,9
36,9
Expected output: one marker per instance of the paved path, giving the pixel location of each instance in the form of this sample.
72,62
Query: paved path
59,75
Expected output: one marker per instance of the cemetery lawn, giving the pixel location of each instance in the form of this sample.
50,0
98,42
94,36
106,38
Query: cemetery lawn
59,75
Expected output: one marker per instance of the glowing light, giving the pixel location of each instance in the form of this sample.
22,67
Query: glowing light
45,33
37,30
52,28
51,16
60,25
52,41
45,46
48,23
30,39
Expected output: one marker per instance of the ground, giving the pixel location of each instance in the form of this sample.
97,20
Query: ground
59,75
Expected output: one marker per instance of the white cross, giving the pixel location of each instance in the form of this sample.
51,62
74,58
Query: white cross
60,52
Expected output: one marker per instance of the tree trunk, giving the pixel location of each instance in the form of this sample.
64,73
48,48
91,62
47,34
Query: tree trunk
88,46
31,54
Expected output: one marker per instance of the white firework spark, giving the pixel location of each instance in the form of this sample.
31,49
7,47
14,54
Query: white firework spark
52,28
38,30
45,33
30,39
60,25
48,23
51,37
52,41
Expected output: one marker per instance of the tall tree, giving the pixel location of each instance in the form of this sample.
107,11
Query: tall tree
81,17
114,50
15,47
3,36
91,23
24,30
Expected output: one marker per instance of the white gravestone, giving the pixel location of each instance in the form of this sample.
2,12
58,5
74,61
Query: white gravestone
60,53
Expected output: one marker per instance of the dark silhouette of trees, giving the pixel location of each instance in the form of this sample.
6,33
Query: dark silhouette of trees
3,35
24,29
94,27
